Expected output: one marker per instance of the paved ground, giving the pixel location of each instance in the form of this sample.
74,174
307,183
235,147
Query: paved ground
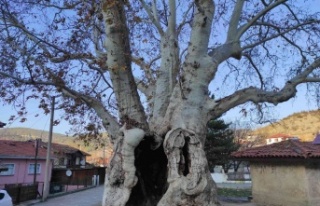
88,197
93,197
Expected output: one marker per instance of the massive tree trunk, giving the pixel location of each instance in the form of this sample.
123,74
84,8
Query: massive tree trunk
175,173
164,164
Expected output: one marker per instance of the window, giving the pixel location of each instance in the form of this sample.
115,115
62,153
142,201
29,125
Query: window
61,161
31,169
10,170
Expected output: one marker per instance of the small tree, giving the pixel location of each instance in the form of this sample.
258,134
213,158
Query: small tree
219,144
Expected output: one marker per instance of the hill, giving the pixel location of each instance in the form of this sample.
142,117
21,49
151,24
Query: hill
304,125
23,134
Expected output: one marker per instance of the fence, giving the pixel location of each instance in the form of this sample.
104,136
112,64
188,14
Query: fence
23,192
75,184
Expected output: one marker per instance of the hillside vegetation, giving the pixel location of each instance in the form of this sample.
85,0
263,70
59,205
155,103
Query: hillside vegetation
24,134
304,125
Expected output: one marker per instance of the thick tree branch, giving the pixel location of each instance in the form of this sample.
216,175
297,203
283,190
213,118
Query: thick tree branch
234,22
201,27
108,121
153,17
172,18
256,95
119,61
169,67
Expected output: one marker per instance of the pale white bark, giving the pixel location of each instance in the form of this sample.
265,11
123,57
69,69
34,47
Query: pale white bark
121,175
234,22
196,183
185,116
122,171
153,16
167,74
119,65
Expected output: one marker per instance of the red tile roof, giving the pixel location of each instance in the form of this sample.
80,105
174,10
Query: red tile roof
284,149
65,149
280,135
18,149
26,149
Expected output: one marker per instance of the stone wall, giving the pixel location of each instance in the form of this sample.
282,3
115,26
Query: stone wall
282,184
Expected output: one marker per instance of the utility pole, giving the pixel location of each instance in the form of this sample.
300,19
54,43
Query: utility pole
36,142
48,158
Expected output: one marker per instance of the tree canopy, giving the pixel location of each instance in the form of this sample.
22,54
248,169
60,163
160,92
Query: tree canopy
143,70
48,48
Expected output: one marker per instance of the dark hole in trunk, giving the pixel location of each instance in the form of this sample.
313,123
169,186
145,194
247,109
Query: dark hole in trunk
151,170
185,152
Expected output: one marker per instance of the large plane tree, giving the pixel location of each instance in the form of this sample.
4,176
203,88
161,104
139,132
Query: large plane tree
144,70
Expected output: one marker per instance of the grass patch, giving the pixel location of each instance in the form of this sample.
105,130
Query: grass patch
229,192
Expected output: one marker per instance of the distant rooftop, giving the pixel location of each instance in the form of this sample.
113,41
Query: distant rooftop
19,149
280,135
284,149
317,139
26,149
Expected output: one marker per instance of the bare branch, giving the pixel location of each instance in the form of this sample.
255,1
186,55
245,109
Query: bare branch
245,27
256,69
280,33
26,81
108,121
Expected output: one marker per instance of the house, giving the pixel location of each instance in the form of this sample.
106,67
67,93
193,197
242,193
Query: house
279,138
284,173
19,159
68,157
